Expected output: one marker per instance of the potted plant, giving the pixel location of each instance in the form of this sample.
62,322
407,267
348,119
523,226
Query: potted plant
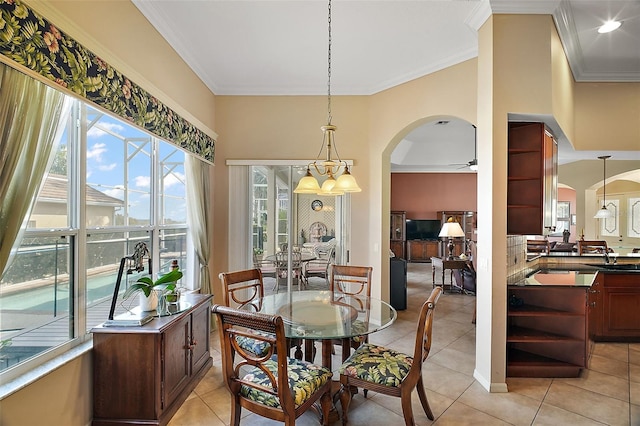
258,253
148,291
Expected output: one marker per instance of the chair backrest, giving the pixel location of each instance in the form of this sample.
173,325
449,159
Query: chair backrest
282,258
425,329
242,288
538,246
351,280
233,325
592,246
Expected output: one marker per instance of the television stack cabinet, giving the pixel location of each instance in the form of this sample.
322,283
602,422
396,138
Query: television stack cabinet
421,250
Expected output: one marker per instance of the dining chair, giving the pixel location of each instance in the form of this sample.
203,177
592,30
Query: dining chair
538,246
592,246
244,290
351,281
390,372
271,385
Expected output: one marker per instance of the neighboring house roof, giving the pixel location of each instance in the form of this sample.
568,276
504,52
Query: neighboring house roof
55,190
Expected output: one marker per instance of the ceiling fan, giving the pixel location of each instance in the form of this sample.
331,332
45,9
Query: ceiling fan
473,164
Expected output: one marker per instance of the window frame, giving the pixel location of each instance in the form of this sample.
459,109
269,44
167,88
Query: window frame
77,230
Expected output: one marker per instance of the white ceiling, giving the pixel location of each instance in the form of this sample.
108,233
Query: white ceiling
269,47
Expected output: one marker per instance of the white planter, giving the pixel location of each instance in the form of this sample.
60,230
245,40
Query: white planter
149,303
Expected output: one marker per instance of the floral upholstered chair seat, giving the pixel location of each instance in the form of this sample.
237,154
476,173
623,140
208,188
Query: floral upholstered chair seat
377,364
304,380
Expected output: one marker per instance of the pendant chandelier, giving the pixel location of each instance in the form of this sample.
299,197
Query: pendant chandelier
604,213
328,167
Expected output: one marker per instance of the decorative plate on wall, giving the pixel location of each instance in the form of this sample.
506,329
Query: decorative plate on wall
316,205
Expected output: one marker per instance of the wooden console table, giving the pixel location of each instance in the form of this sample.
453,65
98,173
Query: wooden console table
142,374
443,263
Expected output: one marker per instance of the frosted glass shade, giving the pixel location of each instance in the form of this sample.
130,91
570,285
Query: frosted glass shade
603,213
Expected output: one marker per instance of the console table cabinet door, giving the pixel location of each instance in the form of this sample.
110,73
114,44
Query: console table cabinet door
200,332
176,362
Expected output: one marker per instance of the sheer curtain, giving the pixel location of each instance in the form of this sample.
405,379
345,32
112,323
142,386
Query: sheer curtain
198,195
30,114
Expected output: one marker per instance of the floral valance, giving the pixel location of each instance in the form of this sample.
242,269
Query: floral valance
31,41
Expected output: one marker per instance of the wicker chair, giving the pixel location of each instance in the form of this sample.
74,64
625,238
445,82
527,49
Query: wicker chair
319,267
396,374
272,385
267,267
282,269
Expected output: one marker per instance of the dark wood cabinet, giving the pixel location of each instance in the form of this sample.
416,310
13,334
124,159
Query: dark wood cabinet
398,233
547,334
141,375
614,303
421,250
531,179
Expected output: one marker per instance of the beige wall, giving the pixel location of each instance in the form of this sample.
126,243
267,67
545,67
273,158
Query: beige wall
62,397
607,116
117,32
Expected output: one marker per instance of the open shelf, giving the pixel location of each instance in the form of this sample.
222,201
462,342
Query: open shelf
526,364
534,311
528,335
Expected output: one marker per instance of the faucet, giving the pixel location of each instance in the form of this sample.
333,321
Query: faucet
605,252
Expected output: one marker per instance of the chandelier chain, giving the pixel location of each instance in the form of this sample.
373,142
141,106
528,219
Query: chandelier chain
329,69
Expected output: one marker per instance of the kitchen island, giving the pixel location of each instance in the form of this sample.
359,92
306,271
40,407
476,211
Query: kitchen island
560,307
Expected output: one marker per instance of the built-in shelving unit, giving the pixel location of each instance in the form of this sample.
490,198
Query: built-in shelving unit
546,331
531,179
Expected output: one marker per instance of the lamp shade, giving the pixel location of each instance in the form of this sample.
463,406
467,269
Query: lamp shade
346,182
603,213
451,229
329,187
308,184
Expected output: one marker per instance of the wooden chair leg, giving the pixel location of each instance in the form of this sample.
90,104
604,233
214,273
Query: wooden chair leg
345,399
326,403
407,411
236,410
423,399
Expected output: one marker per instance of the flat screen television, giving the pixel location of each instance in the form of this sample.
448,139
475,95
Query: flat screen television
423,229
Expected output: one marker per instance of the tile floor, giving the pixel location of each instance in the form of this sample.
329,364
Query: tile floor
606,394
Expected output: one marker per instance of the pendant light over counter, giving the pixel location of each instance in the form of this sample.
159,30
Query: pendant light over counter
604,213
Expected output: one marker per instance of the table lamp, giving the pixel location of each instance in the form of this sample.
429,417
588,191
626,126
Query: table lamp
451,229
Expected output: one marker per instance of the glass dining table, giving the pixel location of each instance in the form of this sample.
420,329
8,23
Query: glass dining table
326,316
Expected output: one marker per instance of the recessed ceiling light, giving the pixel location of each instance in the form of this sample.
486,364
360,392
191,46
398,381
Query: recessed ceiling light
609,26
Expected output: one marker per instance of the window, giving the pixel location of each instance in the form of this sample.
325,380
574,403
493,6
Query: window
109,187
563,217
